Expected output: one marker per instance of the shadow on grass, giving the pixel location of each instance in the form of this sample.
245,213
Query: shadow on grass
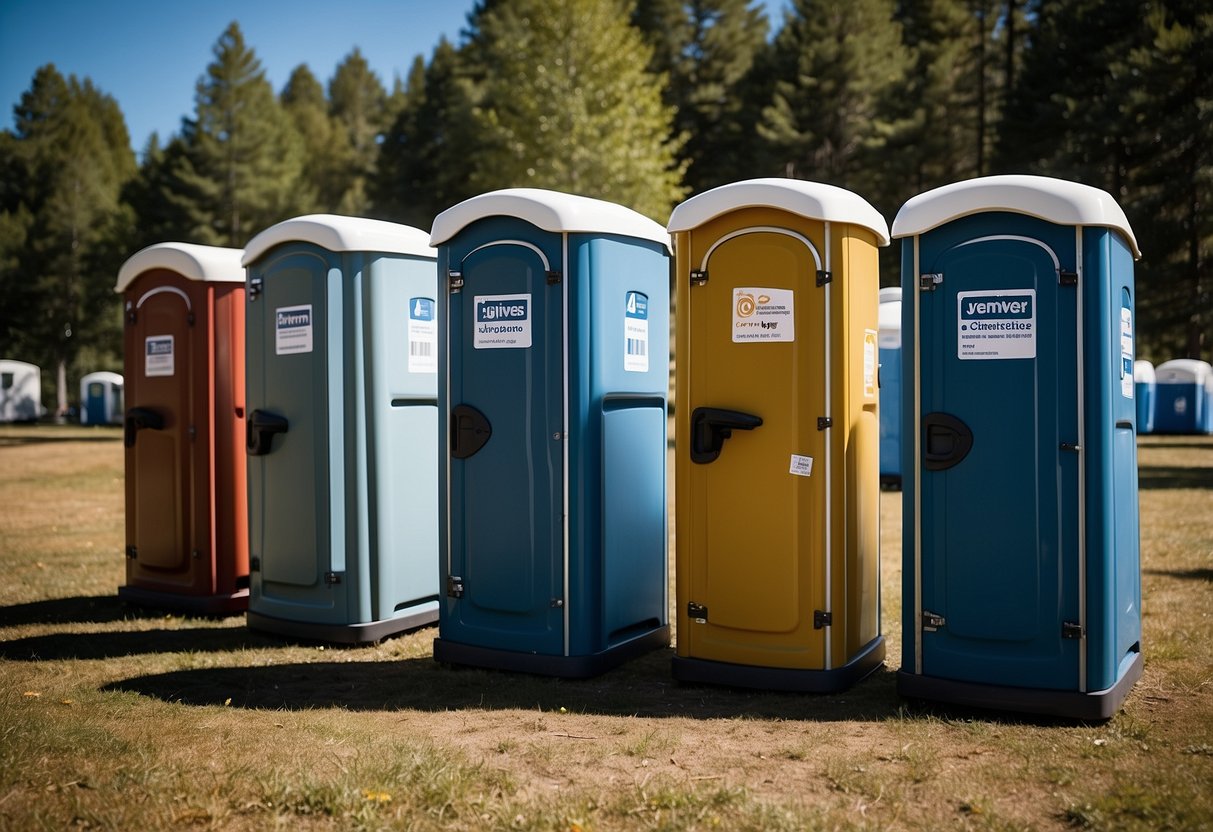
641,688
109,645
1174,477
1183,574
94,609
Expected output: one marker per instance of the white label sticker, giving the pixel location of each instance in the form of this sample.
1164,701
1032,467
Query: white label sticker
158,355
802,466
501,322
292,329
423,336
1126,352
996,324
869,363
763,315
636,333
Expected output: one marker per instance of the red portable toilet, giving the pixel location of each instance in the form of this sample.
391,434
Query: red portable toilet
186,492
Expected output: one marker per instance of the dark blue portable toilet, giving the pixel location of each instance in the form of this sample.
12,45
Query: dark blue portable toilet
553,372
1021,570
1145,391
1183,397
889,343
101,398
342,429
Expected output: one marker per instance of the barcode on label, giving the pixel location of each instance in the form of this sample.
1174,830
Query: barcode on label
637,346
422,348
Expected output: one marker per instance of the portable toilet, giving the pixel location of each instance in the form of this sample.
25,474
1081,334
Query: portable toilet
777,428
343,426
1183,397
183,343
1021,572
554,326
20,391
1144,391
889,341
101,399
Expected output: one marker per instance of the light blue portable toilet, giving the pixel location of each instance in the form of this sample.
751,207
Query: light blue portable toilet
1183,397
553,373
342,429
888,341
101,399
1145,391
1021,570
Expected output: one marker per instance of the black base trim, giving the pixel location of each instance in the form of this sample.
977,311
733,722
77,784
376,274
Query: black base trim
566,667
800,680
237,602
367,633
1094,706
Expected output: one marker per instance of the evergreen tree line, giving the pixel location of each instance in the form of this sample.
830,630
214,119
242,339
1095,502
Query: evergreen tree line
640,102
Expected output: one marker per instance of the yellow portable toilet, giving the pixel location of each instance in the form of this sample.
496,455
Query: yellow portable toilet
777,430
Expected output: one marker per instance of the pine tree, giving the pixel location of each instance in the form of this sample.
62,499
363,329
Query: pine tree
305,105
357,106
566,103
706,49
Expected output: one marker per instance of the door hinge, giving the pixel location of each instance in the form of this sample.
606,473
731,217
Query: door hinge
132,552
822,619
332,578
557,603
699,277
454,281
824,422
254,289
254,564
932,621
189,319
930,282
454,586
1066,278
824,277
697,612
1070,446
131,315
1072,629
553,278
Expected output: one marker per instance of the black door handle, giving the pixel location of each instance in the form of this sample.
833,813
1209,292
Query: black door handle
945,441
470,430
138,418
710,426
261,428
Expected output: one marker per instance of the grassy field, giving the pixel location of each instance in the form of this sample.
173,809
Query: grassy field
120,718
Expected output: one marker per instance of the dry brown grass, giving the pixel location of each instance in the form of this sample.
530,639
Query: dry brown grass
118,718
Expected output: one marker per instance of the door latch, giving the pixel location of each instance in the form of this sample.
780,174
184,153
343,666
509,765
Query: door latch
932,621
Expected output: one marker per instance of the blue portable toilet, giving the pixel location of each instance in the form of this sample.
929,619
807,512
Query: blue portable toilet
101,399
553,373
888,341
1145,391
1183,397
342,429
1021,569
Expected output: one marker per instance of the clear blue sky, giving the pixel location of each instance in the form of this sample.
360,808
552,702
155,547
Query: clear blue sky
148,54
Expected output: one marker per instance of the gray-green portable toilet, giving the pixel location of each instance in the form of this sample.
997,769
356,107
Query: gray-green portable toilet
342,429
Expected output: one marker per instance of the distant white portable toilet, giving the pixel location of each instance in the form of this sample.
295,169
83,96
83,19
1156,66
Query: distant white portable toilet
1183,397
20,391
1145,389
101,398
889,343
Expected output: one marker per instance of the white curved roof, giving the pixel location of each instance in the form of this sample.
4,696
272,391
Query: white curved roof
1185,371
12,365
191,261
1054,200
102,375
814,200
890,294
888,317
1143,371
336,233
549,210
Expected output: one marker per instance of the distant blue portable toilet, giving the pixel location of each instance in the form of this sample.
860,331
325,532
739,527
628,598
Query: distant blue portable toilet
342,429
1021,570
1145,391
554,326
889,343
1183,397
101,399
